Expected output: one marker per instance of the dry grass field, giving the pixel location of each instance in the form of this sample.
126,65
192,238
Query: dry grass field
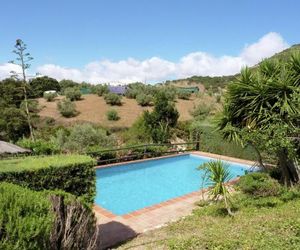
93,109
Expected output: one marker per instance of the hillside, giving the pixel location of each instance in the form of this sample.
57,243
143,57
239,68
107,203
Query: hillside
93,109
216,82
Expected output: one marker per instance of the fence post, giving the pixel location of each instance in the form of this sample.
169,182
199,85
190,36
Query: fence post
197,141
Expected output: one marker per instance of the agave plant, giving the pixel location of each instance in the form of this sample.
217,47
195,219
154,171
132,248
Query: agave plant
216,174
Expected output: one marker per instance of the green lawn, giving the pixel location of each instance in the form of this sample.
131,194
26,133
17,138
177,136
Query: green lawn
264,223
34,163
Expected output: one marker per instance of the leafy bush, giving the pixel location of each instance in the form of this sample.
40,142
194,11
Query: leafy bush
144,100
72,173
67,108
73,94
39,146
101,90
49,96
41,220
259,184
113,99
82,136
112,115
184,95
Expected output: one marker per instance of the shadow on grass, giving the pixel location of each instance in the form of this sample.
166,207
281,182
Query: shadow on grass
113,234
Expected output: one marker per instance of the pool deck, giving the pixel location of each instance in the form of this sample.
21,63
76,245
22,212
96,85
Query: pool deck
115,229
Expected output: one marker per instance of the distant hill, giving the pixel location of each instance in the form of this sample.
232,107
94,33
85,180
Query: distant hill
216,82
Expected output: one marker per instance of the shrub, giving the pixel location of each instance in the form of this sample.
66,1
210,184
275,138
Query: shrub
82,136
101,90
72,173
259,184
39,146
184,95
112,115
67,108
49,96
113,99
73,94
144,100
41,220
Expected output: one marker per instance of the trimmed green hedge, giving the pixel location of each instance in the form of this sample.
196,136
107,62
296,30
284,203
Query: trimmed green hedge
74,174
39,220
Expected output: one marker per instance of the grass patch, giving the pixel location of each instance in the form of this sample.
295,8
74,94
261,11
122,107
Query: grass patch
260,223
35,163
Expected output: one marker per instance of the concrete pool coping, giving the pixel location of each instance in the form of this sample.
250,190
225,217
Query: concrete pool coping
118,228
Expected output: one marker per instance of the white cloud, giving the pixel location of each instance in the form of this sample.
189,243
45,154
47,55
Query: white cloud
267,46
6,68
157,69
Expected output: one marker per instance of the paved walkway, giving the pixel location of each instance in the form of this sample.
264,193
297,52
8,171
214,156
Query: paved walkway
116,229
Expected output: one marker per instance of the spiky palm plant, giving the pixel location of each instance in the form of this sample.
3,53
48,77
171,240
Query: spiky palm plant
261,103
216,174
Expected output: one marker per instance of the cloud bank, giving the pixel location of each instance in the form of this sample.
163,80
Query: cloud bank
157,69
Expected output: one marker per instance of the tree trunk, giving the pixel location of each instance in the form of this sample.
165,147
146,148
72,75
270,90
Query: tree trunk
289,167
259,157
28,113
227,206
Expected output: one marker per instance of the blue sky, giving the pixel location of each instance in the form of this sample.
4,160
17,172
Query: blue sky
75,36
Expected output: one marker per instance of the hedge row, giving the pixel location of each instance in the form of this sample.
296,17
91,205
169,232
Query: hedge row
41,220
74,174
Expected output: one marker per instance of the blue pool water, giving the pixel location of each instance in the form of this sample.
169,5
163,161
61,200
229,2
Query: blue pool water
129,187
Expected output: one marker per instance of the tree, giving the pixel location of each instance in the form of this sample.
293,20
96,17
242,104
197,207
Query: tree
262,108
13,124
216,174
67,84
23,59
163,117
39,85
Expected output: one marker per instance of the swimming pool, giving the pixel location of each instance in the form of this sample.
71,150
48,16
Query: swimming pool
128,187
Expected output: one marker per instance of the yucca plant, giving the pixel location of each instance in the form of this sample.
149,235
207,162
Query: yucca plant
216,174
262,109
